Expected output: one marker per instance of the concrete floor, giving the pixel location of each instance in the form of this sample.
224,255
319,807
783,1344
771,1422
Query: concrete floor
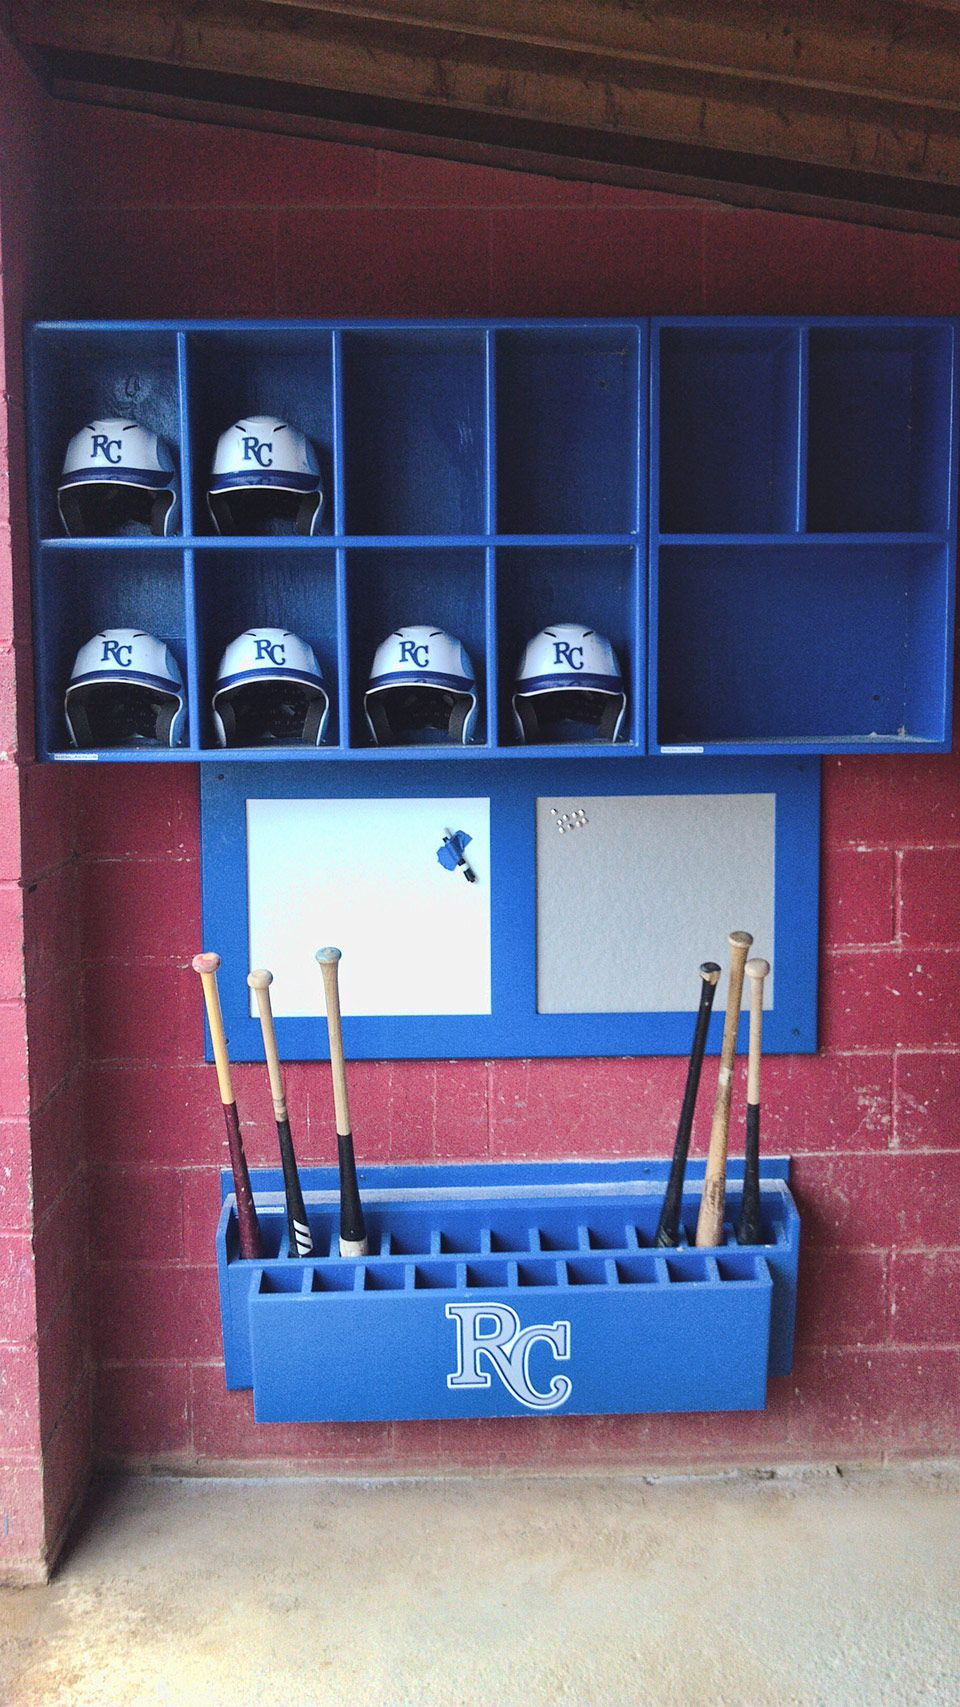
814,1589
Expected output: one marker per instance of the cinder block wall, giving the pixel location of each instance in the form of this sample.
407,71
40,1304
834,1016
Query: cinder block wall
158,218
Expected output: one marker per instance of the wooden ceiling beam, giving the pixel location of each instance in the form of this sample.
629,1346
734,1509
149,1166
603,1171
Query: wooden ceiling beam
847,104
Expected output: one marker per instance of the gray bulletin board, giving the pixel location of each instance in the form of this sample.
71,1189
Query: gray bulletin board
635,890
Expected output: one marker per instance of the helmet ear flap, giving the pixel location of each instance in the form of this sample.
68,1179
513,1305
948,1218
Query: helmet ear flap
463,708
225,716
380,725
161,512
308,513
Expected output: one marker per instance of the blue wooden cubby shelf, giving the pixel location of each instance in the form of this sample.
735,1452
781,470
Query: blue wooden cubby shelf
551,1265
760,514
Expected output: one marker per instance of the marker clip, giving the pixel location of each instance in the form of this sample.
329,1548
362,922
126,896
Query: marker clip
451,854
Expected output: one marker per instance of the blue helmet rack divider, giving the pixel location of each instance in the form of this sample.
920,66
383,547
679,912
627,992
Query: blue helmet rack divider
506,1289
760,514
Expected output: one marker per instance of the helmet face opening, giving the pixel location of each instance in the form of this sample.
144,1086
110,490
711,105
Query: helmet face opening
272,713
569,715
104,507
263,510
120,714
417,715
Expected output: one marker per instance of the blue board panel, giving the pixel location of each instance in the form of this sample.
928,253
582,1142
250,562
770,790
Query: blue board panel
514,1027
505,1290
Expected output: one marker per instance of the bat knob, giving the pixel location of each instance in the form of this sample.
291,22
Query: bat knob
757,968
205,962
740,939
330,956
260,979
709,971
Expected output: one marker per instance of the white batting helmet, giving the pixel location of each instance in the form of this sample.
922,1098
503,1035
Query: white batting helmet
421,689
569,687
117,472
265,471
125,690
270,692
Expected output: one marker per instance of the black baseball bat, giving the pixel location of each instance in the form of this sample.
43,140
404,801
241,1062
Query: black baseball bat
353,1232
668,1228
300,1239
748,1226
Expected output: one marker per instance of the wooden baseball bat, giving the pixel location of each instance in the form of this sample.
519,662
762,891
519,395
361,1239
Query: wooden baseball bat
298,1227
748,1226
353,1232
710,1219
250,1246
668,1228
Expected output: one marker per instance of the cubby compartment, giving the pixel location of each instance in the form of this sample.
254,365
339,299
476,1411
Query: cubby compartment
293,590
570,429
879,429
78,593
383,1337
831,644
81,374
794,591
595,587
281,372
727,427
436,587
414,433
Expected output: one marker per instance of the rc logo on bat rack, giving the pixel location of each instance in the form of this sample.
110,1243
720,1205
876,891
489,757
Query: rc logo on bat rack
507,1348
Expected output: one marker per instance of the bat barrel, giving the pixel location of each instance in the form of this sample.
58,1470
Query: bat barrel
710,1219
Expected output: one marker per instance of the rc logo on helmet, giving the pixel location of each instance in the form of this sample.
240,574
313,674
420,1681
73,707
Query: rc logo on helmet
421,691
117,477
125,690
569,687
266,479
270,692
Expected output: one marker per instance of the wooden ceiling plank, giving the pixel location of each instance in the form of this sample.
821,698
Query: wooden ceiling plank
719,110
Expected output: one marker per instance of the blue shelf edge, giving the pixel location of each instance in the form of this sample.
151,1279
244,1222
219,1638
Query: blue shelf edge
504,1289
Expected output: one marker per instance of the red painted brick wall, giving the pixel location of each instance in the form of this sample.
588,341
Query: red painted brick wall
166,218
45,1365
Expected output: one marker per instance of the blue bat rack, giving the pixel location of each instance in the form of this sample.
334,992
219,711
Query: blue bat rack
508,1289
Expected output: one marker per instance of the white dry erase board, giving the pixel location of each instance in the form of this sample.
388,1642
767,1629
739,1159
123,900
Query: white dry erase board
598,889
364,874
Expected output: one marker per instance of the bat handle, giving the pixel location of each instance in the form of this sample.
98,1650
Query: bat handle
668,1228
710,1218
748,1226
247,1223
